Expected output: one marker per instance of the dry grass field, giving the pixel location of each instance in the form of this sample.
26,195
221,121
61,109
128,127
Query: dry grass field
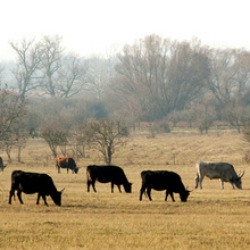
211,218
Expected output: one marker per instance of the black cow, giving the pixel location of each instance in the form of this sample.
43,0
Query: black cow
31,183
163,180
105,174
2,166
66,162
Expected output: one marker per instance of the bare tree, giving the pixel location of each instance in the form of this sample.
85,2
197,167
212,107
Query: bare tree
56,120
51,55
162,75
237,114
98,76
222,82
229,83
27,66
105,136
70,76
55,133
188,74
12,114
242,76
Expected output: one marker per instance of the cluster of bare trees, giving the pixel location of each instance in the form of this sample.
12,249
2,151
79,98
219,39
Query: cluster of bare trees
153,79
43,67
159,78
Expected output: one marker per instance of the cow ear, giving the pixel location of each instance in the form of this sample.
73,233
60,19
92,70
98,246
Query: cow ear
62,190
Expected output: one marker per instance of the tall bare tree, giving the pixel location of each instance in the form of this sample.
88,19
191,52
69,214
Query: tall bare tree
27,67
51,55
222,82
12,114
71,76
98,75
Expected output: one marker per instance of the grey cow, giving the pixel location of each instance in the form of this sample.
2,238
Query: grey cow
217,170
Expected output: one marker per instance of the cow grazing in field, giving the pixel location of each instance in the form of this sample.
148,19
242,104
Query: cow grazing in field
66,162
31,183
163,180
2,166
105,174
217,170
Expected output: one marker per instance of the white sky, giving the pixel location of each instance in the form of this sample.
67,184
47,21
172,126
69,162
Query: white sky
96,26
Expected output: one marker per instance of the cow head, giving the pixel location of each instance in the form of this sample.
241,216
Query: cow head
76,169
57,197
184,195
128,187
237,180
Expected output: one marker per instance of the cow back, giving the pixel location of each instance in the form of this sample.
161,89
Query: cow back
106,173
31,183
217,170
162,180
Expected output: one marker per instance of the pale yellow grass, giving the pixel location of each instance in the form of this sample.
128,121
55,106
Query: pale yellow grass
211,219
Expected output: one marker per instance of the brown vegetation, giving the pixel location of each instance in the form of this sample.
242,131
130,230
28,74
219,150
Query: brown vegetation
211,219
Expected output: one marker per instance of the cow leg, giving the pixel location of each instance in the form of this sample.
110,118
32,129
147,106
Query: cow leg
44,199
12,193
149,193
119,188
112,187
38,198
93,186
222,184
172,196
200,181
166,198
88,185
58,168
19,195
197,181
141,192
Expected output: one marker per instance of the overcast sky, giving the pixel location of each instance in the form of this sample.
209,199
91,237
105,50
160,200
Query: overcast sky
97,26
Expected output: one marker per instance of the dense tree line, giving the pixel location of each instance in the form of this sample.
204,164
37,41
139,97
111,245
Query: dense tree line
153,79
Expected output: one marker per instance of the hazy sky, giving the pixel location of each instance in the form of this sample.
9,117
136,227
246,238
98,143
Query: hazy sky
95,26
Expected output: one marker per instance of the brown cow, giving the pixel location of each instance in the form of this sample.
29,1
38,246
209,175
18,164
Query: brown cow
66,162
